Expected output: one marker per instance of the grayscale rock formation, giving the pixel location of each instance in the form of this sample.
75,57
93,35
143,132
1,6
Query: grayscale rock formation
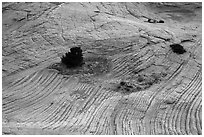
132,82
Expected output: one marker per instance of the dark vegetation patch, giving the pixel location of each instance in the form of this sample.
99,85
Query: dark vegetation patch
73,63
73,59
143,82
151,21
160,21
177,48
155,21
125,87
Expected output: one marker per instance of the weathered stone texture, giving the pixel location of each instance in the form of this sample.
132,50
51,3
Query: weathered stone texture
161,93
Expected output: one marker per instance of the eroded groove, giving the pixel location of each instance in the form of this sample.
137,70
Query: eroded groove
36,97
199,118
30,90
175,120
34,78
18,82
61,102
191,117
195,88
32,87
62,116
48,93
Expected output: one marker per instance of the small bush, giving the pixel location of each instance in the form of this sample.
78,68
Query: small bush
74,58
151,21
177,48
160,21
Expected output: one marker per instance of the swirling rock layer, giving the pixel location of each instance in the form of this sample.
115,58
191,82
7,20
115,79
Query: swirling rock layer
132,82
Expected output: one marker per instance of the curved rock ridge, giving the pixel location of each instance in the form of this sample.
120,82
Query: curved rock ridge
132,82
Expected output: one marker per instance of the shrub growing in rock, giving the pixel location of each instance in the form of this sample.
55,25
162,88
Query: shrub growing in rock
151,21
155,21
160,21
73,59
177,48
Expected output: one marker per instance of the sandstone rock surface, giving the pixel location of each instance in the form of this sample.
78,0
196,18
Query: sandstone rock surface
133,82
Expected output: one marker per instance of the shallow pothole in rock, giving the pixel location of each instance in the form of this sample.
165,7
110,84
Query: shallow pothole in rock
92,66
141,82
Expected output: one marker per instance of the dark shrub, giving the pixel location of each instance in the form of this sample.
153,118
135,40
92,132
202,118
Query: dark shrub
151,21
160,21
177,48
74,58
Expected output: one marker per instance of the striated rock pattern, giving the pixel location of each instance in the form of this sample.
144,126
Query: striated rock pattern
132,82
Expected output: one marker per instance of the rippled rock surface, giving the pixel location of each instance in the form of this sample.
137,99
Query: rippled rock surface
133,81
